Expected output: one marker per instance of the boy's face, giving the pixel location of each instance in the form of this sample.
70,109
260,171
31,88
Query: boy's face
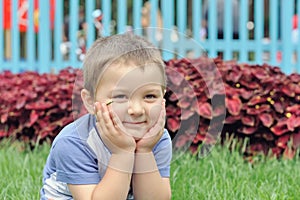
136,93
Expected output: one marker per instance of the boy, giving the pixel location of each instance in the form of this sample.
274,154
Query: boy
120,150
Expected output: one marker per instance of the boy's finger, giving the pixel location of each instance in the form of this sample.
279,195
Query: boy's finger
117,123
105,113
108,119
159,125
161,119
104,120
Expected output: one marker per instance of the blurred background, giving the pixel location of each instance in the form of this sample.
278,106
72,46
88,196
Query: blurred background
49,35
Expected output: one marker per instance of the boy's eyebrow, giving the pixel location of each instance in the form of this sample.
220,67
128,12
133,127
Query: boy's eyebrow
153,90
147,88
156,91
119,89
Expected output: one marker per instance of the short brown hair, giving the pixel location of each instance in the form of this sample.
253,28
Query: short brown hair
118,49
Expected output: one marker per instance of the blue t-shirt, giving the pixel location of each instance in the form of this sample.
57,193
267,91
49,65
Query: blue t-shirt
78,156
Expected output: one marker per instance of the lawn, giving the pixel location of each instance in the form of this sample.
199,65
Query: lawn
219,175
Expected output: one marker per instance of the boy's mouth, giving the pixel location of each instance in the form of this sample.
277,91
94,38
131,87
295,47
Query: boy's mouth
135,123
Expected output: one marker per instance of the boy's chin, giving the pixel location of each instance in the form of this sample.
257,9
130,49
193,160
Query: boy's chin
137,138
137,134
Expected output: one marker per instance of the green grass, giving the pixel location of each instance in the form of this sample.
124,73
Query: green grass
21,170
219,175
226,175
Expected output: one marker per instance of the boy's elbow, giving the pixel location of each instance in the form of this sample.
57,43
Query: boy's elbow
169,195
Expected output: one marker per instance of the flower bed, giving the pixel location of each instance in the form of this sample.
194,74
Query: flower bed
262,105
207,100
35,107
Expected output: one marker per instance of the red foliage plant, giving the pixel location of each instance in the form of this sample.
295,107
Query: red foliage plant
207,99
262,104
35,107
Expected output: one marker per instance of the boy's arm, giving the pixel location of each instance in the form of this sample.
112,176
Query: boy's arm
116,180
147,181
114,185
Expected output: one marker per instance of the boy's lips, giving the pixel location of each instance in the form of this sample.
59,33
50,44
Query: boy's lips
134,123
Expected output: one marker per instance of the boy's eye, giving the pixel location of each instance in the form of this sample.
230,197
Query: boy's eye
150,96
120,97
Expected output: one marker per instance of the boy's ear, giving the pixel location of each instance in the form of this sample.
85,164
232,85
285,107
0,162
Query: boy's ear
88,101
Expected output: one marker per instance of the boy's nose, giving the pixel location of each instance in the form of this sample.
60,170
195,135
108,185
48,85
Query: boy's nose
135,108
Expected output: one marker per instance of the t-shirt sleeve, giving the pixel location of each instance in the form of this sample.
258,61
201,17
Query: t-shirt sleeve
75,163
163,154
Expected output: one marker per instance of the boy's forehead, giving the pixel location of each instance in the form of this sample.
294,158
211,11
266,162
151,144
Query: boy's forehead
132,76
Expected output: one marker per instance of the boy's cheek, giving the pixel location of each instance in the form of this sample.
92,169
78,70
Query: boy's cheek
119,109
154,113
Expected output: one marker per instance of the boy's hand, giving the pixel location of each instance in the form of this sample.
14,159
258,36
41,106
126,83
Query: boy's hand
111,131
148,141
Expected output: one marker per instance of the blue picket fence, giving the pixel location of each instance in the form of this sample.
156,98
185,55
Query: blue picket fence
264,31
